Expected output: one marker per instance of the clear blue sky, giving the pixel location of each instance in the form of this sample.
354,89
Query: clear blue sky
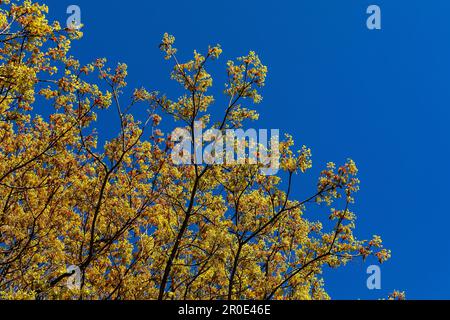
379,97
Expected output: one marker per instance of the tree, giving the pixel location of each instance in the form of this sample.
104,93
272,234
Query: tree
135,224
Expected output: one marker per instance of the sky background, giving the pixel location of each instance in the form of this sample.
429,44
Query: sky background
379,97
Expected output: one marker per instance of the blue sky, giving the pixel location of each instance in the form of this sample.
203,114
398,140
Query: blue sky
379,97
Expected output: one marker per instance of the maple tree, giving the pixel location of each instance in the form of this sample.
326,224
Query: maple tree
135,224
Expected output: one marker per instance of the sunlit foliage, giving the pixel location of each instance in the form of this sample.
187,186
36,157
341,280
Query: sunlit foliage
137,226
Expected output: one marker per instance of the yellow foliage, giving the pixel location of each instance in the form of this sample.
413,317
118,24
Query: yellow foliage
137,226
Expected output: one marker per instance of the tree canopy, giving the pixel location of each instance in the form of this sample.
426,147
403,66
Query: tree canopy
136,225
